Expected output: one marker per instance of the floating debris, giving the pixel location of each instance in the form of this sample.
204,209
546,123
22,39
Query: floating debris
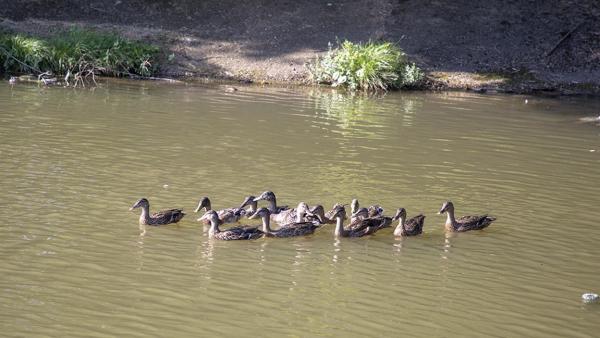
590,119
12,80
590,297
165,186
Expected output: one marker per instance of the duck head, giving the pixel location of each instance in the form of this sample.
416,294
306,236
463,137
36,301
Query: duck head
302,208
339,211
400,213
261,213
329,214
318,211
203,203
375,210
447,206
141,203
248,201
354,205
210,216
267,196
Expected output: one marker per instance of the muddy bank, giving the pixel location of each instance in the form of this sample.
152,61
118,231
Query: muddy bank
517,46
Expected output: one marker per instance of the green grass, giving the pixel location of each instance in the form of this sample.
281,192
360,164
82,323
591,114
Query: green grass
77,52
370,66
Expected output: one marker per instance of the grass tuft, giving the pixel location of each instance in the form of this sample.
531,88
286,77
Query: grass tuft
78,53
370,66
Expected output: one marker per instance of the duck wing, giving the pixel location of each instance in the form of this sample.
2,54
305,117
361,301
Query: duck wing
296,229
375,211
372,222
167,216
231,215
414,226
476,222
285,217
239,233
368,230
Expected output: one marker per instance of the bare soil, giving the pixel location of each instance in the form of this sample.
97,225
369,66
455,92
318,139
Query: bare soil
493,45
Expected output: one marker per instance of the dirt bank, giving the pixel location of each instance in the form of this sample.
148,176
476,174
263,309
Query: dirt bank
505,45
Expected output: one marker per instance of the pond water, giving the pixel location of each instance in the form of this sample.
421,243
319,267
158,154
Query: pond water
73,261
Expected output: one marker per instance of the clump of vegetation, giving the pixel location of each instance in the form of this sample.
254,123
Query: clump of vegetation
76,54
370,66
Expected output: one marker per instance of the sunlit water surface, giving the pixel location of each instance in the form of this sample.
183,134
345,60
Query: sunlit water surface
73,261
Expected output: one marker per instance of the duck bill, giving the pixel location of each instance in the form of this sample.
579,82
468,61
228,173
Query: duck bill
246,202
308,213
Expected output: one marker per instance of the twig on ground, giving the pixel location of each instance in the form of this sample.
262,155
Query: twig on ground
564,38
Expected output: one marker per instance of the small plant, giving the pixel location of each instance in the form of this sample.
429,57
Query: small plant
76,54
370,66
20,54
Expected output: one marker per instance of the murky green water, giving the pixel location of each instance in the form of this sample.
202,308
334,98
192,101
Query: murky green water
73,262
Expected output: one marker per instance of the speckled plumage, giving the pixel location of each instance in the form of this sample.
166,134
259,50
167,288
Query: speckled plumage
238,233
410,227
360,228
230,234
464,223
280,214
162,217
229,215
289,230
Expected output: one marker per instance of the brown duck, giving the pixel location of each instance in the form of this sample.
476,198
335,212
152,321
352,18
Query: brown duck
230,234
410,227
279,214
356,212
289,230
465,223
158,218
367,228
229,215
319,212
251,204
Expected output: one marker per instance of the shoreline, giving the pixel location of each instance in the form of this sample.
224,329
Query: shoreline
273,48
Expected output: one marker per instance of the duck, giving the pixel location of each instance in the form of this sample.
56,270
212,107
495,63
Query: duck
368,228
367,221
289,230
279,214
319,213
464,223
229,215
329,214
158,218
410,227
230,234
251,204
356,212
300,214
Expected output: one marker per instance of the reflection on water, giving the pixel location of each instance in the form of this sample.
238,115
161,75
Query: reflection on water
73,259
359,114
